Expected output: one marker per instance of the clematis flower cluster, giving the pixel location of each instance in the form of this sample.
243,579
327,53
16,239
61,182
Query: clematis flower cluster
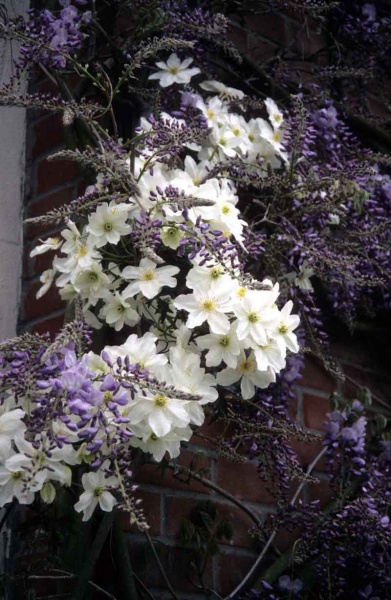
164,266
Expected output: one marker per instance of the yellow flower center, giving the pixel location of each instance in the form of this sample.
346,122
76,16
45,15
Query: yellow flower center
283,328
215,272
208,304
277,117
17,475
241,292
247,366
253,317
108,226
98,491
148,275
174,70
224,341
160,400
225,209
82,251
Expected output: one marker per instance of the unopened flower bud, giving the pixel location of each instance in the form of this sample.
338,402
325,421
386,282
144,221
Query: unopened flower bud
48,492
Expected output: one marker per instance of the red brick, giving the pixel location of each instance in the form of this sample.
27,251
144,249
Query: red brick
292,409
377,108
46,86
308,42
34,308
238,37
315,411
286,538
307,452
357,378
242,481
270,26
43,206
52,174
300,72
151,506
211,431
176,563
152,474
49,134
358,354
51,325
232,568
315,376
258,50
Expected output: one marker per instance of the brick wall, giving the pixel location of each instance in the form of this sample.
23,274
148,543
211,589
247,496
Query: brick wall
165,499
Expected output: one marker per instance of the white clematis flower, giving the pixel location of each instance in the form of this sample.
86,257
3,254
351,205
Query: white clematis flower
92,283
220,348
275,115
117,312
256,315
11,424
247,371
187,375
149,279
13,483
46,278
174,71
96,492
160,412
210,306
108,223
140,350
269,355
222,89
283,334
158,446
209,277
52,243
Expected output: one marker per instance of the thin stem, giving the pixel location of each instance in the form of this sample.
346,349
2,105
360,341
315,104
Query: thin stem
358,385
161,568
126,586
88,567
143,586
66,575
254,569
221,491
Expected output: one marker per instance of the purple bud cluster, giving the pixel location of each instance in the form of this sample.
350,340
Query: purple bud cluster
341,229
168,137
54,36
146,232
345,440
199,25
